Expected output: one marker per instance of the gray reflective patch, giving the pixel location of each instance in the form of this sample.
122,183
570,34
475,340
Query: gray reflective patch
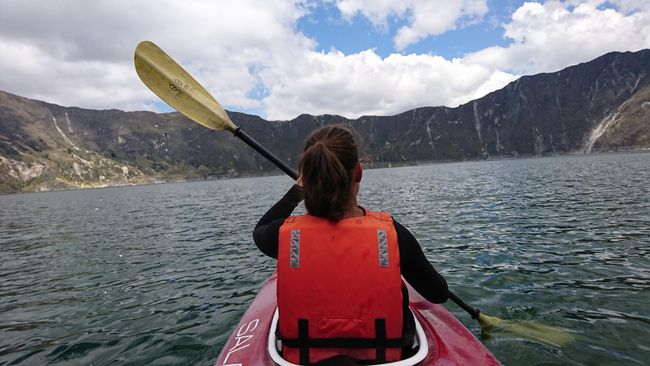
382,242
294,251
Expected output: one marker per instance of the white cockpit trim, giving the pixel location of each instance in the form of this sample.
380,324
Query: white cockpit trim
420,355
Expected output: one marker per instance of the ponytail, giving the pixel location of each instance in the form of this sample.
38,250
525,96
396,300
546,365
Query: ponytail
327,171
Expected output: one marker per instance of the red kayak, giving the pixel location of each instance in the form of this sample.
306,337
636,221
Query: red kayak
442,339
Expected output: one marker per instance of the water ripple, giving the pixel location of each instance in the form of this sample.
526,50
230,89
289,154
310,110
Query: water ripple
161,274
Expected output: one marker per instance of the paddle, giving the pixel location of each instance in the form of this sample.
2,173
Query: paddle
180,90
177,87
552,336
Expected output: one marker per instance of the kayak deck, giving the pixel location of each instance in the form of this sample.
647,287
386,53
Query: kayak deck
449,342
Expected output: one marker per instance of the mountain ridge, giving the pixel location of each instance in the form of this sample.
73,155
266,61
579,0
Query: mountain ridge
600,105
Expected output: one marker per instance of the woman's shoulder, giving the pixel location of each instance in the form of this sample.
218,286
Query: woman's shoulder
379,215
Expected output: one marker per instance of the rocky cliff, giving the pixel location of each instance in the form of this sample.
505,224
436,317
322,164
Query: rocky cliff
600,105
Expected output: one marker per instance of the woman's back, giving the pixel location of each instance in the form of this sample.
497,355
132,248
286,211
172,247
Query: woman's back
340,266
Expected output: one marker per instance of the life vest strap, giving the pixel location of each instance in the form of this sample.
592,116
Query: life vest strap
380,343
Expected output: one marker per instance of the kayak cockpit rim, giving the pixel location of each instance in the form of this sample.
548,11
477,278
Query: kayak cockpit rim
420,339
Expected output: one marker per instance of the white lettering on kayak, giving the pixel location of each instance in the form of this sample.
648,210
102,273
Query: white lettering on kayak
242,340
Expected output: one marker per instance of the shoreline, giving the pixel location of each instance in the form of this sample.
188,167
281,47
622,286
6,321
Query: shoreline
370,166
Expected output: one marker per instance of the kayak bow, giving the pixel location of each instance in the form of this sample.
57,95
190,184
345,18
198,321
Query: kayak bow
448,341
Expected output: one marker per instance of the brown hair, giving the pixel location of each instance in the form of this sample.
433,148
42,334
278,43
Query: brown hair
327,171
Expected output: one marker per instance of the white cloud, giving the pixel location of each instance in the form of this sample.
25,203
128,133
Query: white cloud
625,6
37,74
550,36
425,17
78,52
365,84
545,37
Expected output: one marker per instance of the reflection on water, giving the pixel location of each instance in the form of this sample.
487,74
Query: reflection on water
161,274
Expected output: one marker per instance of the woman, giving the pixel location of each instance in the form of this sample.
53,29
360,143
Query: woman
340,290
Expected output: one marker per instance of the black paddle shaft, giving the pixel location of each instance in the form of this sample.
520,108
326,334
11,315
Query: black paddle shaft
267,154
293,174
470,310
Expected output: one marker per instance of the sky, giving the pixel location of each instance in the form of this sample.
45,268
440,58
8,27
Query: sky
281,58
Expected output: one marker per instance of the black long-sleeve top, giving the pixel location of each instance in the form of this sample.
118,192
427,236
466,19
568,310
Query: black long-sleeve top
414,266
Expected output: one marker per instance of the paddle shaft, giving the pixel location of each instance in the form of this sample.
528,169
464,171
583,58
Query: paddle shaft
470,310
293,174
266,153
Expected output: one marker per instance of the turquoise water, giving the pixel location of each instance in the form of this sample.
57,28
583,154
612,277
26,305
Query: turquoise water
160,275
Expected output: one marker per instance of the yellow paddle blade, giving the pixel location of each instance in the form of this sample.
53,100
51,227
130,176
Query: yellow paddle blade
177,87
552,336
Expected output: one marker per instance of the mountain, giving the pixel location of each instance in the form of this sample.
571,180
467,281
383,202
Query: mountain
601,105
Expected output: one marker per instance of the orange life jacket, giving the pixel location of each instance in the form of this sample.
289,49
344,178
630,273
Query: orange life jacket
339,289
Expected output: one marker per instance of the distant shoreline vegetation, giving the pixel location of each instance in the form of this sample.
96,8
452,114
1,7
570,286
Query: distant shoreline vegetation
367,165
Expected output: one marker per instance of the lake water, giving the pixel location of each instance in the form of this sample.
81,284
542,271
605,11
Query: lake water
160,275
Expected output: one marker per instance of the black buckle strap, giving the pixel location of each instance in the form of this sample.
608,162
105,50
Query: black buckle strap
303,337
380,343
380,335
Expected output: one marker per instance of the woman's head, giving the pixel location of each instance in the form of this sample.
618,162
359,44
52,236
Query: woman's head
330,171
